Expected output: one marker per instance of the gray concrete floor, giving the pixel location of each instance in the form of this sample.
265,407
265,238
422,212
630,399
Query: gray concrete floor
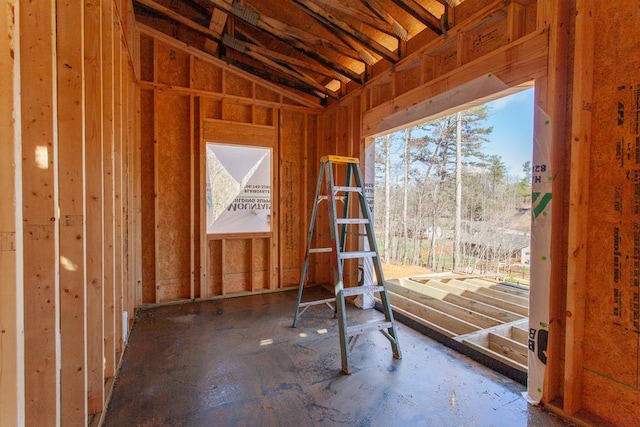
238,362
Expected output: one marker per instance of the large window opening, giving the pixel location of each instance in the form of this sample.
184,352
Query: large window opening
429,217
453,215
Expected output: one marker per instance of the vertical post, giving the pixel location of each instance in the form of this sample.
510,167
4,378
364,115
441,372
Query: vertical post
40,212
12,392
94,219
109,202
72,204
456,228
579,203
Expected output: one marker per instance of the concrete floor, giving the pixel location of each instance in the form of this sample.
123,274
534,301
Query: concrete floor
238,362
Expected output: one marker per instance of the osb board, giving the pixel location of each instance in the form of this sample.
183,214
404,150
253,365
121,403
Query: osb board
211,108
147,197
146,58
173,289
408,79
215,268
206,76
237,85
266,94
612,330
263,115
197,198
173,206
380,93
293,194
172,65
617,404
467,8
237,262
312,174
241,113
261,264
486,38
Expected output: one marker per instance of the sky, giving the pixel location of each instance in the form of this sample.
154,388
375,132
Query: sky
512,137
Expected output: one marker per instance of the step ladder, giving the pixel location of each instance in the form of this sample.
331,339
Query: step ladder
338,231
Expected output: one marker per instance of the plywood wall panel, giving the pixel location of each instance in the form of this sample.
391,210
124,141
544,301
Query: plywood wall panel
292,195
212,108
237,267
486,37
240,113
263,116
172,65
266,94
611,358
173,213
206,76
197,198
147,167
215,270
261,264
408,79
237,85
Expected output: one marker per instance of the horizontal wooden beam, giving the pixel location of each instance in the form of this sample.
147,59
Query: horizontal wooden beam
165,38
367,17
382,12
514,64
262,55
289,35
335,24
421,14
163,10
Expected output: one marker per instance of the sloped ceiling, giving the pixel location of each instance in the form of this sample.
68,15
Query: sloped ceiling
311,46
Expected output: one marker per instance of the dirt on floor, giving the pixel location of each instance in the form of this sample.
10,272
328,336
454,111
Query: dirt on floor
391,271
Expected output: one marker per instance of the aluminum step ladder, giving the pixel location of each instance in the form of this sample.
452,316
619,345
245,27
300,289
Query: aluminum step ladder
338,230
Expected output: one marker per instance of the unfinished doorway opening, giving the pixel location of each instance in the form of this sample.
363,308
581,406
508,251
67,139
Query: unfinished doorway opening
457,246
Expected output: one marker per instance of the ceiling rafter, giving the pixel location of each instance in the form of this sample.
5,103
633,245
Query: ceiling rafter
335,24
291,61
285,34
382,12
307,46
170,13
241,47
423,15
277,79
366,17
258,53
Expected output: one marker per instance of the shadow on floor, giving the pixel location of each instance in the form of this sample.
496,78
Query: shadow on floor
238,362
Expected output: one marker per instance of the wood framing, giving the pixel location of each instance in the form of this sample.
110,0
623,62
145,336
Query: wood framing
12,390
103,198
40,214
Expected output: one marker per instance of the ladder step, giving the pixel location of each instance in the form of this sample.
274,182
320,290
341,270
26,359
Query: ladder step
360,290
357,254
339,159
337,188
319,250
323,197
352,221
316,302
366,327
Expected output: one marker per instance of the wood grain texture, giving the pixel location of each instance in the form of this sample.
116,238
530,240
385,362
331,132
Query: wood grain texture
173,209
